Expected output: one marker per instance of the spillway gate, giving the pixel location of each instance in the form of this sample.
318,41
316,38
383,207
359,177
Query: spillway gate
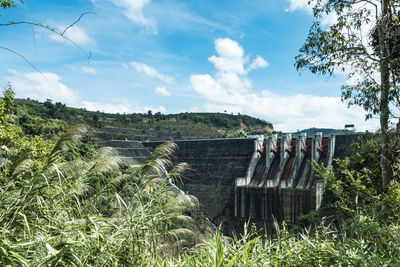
280,181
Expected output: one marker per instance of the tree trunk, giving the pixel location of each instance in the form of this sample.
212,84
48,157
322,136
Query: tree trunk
386,169
384,119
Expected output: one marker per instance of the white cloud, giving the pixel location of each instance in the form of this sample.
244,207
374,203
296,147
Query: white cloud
330,19
42,86
289,113
230,89
162,91
230,56
259,62
231,70
48,85
326,20
89,70
77,34
212,89
299,5
133,9
151,72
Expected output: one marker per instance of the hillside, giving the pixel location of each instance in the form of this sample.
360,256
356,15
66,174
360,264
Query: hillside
324,131
49,118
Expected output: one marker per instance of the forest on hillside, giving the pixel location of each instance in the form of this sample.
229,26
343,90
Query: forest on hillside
48,118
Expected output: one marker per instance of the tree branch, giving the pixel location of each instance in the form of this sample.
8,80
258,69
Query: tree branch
76,21
47,27
26,60
21,56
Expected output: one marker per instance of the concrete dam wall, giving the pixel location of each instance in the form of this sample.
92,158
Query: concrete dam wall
282,184
215,164
257,178
237,179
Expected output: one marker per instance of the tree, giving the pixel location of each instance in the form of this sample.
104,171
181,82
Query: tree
364,44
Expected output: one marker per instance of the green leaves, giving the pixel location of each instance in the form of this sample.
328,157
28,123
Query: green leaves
8,4
364,45
345,47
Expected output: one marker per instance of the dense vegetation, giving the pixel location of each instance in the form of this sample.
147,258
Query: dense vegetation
61,207
362,43
324,131
66,202
49,118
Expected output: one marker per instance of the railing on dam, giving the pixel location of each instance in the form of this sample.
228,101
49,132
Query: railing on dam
280,181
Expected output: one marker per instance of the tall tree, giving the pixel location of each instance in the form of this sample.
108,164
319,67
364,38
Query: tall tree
363,43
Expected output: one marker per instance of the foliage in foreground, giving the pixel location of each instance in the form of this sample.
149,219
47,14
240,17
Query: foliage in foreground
62,207
92,213
367,244
59,210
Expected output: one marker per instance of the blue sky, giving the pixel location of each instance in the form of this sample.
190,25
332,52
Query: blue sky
174,56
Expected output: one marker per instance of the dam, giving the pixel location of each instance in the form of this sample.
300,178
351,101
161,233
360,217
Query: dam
257,178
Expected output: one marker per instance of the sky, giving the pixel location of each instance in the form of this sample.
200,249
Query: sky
131,56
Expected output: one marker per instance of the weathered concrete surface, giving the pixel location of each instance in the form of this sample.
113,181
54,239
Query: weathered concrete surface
280,204
214,166
343,142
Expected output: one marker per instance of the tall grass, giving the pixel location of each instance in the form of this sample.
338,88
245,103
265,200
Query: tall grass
92,213
368,244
